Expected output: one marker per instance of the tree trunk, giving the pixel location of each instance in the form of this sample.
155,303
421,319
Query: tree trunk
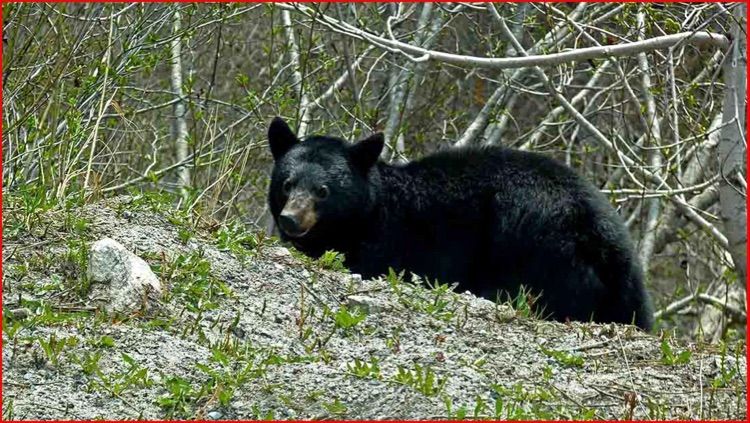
731,152
180,132
732,147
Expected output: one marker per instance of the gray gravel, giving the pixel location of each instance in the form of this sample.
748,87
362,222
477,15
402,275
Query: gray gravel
487,355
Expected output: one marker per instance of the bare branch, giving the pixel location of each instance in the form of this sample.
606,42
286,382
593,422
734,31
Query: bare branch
700,38
676,306
555,37
678,200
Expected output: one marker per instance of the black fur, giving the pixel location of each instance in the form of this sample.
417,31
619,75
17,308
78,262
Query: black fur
491,219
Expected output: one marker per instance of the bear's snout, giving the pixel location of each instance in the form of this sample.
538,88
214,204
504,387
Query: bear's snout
298,215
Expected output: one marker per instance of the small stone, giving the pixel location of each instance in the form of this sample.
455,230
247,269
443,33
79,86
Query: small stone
127,283
277,252
369,304
214,415
20,313
238,332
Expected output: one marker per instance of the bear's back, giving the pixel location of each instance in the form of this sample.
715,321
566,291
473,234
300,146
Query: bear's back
464,174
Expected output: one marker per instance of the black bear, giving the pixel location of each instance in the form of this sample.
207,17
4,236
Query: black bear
492,219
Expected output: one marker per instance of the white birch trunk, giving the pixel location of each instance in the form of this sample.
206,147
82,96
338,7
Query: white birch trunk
732,196
654,135
732,147
179,128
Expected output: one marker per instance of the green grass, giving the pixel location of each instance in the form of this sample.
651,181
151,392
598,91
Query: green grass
190,282
364,369
336,407
346,319
422,379
135,376
179,399
332,260
431,298
235,238
565,358
671,357
53,347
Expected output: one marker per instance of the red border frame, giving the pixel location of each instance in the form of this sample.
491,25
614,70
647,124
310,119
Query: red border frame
747,152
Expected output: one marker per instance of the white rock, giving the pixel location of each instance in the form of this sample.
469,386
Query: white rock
369,304
126,281
277,252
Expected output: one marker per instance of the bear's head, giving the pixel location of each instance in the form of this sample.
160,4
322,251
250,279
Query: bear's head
321,186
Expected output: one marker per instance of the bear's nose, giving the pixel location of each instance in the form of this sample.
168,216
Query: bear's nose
289,224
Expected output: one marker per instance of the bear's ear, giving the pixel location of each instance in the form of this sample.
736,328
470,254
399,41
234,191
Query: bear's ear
280,138
365,153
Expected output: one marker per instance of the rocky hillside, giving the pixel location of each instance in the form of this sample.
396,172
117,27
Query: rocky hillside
244,329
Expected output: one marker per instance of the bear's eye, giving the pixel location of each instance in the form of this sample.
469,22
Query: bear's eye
287,187
322,192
